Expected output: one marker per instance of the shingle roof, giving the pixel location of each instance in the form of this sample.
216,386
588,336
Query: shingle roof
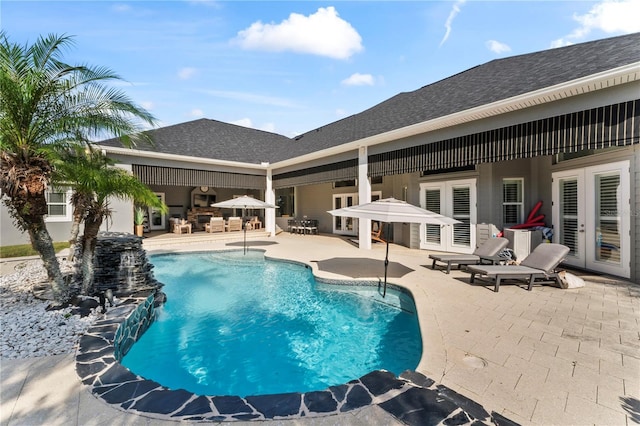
206,138
493,81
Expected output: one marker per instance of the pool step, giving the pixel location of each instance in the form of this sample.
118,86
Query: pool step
201,237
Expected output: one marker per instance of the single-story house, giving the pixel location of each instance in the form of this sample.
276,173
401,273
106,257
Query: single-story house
550,137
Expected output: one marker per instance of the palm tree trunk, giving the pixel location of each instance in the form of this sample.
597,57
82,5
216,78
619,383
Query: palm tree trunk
91,228
24,184
43,244
78,214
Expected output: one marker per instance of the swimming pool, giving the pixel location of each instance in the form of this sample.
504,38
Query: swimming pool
245,325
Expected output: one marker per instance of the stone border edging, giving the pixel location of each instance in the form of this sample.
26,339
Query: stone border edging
412,398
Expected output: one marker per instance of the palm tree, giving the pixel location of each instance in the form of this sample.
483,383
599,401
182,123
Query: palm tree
46,106
94,179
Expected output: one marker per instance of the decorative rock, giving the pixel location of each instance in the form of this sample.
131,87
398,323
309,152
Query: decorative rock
32,327
28,328
121,265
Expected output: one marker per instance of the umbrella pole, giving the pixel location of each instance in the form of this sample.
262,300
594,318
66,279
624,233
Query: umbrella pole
386,264
244,226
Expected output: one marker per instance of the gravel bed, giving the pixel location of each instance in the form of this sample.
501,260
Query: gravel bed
27,330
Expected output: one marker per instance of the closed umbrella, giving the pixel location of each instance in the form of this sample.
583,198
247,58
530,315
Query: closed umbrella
390,210
244,202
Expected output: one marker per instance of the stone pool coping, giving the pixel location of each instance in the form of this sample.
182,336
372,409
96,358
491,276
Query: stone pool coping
412,398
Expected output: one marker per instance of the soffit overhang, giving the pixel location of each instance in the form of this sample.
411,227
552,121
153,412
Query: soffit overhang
137,153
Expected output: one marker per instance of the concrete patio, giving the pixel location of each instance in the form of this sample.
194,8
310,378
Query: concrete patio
549,356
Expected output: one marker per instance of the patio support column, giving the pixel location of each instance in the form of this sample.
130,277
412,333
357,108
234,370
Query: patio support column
270,197
364,196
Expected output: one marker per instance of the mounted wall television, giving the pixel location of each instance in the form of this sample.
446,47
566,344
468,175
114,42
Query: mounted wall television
203,200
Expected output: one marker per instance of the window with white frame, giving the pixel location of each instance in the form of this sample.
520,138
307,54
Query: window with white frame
58,205
512,204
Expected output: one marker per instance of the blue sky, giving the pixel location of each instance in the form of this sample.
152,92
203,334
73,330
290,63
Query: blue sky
292,66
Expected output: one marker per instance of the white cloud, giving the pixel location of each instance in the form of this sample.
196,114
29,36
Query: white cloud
323,33
252,98
560,43
196,113
148,105
186,73
341,112
268,127
121,8
454,11
358,79
609,16
497,47
246,122
210,3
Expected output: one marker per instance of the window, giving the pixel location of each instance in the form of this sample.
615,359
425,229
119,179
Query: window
512,206
58,205
344,183
468,168
285,200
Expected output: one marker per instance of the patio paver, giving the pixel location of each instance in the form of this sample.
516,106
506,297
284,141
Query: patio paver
551,356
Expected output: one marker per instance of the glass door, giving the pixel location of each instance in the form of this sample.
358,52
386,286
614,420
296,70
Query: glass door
456,199
569,215
589,217
345,225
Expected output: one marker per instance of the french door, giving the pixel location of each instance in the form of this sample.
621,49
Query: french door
345,225
591,216
456,199
348,225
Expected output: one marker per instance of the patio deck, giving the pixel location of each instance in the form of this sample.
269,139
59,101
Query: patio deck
549,356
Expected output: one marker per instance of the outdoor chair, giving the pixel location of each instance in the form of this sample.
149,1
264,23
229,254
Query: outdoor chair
255,223
292,226
181,226
234,224
540,263
310,226
487,252
216,224
173,221
376,232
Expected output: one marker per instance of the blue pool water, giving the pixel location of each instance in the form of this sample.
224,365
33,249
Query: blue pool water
243,325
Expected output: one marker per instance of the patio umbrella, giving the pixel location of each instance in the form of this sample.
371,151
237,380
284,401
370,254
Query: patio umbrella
390,210
244,202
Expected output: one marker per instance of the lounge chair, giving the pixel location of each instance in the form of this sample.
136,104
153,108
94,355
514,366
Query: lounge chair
216,224
540,263
376,232
234,224
486,253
